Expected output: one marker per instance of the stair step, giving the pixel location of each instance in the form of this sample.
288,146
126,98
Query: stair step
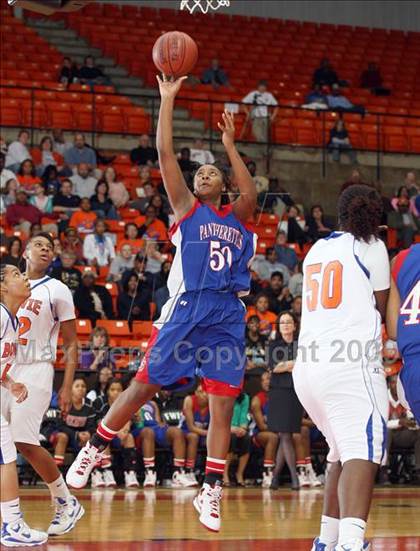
54,34
74,51
45,23
133,83
113,71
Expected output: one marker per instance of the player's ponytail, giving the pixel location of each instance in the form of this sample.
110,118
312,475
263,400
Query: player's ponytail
360,211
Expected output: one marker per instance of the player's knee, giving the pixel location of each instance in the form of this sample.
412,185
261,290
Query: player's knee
273,438
147,434
192,437
62,438
27,450
128,441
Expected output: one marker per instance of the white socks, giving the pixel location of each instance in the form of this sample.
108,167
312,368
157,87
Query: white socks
10,511
329,531
58,488
351,529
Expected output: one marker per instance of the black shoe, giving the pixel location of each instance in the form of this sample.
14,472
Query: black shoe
275,483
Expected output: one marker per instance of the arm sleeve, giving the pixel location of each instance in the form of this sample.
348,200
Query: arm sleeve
63,303
375,259
249,98
273,100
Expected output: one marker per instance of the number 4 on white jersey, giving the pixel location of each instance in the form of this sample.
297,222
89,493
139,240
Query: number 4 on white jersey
411,306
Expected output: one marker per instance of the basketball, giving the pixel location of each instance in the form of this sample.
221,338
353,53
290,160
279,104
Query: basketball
175,54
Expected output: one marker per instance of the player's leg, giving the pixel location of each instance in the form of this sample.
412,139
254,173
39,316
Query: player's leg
14,530
193,440
176,439
60,448
129,459
25,424
299,443
410,380
148,446
243,450
286,442
120,413
270,442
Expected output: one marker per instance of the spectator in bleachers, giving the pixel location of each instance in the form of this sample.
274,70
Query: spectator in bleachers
262,437
98,355
194,425
265,267
84,184
45,204
161,208
371,78
50,180
278,293
285,412
296,307
186,165
260,115
21,215
75,428
316,222
90,74
26,176
255,343
139,270
103,375
122,262
161,294
285,255
261,182
215,76
8,195
411,184
294,224
325,74
403,432
98,248
405,222
296,281
403,193
14,249
117,191
266,317
145,153
340,142
83,219
17,152
80,153
60,144
150,226
155,258
36,229
93,301
240,441
69,72
123,441
355,178
316,98
73,243
67,273
3,146
5,173
131,238
144,193
338,102
101,203
133,301
200,154
45,156
170,407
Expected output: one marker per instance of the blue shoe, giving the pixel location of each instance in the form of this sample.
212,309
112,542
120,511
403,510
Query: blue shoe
356,545
318,546
19,534
67,513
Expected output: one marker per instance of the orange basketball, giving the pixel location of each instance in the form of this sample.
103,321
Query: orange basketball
175,54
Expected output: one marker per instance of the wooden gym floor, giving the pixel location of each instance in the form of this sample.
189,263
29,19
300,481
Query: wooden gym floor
253,519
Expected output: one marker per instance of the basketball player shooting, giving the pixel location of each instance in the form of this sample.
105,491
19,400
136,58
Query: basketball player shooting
49,309
209,272
340,382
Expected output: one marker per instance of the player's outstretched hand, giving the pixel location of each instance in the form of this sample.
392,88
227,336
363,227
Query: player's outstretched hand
168,86
227,127
19,391
64,400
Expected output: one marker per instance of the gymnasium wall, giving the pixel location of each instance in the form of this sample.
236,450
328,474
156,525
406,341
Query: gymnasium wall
386,14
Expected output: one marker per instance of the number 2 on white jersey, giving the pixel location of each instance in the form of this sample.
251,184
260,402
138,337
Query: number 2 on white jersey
411,306
219,256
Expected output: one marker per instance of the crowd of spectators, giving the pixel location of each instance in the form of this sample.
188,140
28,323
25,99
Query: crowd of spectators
122,274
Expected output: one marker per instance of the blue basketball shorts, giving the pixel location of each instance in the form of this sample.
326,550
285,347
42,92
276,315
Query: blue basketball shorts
199,333
410,378
160,435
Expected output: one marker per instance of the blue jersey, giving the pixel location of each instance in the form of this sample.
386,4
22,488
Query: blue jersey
406,273
213,251
201,417
148,415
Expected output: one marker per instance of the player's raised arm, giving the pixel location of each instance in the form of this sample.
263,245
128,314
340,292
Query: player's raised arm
180,197
245,205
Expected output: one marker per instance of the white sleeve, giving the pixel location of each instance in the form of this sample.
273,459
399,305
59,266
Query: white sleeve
63,303
374,257
111,249
88,247
273,100
249,98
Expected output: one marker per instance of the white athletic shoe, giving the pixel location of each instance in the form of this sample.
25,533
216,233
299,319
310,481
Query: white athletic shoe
109,479
131,480
192,478
303,477
312,478
267,479
354,545
150,479
67,513
207,504
181,480
97,480
19,534
318,546
79,472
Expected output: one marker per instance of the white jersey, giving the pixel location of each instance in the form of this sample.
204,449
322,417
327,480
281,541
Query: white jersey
8,340
340,322
50,303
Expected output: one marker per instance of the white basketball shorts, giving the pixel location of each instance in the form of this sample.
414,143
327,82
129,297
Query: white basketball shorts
349,405
7,448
